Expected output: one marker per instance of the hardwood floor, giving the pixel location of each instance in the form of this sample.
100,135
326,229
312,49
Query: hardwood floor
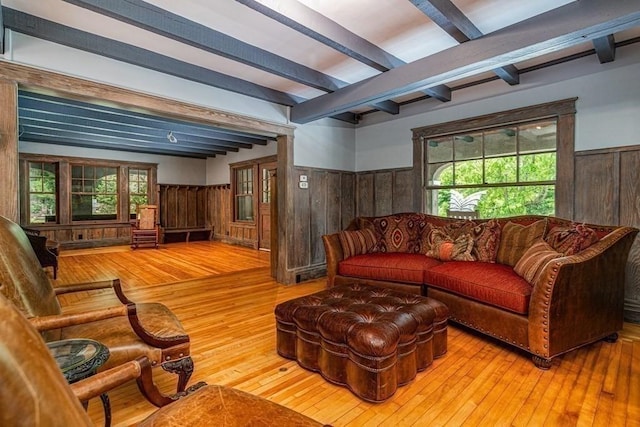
225,299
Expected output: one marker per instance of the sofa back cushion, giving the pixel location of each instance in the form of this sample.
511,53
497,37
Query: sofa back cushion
399,232
571,239
357,242
515,239
530,266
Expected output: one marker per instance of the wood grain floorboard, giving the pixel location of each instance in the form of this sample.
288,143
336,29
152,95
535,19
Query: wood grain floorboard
225,299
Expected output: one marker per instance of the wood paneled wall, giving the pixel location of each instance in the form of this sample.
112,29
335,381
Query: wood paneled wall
384,192
183,206
326,206
607,191
219,210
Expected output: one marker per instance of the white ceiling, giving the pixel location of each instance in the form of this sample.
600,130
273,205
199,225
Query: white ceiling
396,28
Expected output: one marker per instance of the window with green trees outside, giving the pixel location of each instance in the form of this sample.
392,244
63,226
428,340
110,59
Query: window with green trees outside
138,189
490,173
94,193
42,192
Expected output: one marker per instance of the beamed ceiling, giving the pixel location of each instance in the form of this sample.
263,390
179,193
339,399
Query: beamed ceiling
322,58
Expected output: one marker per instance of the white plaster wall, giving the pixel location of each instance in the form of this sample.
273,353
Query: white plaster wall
608,108
327,144
171,170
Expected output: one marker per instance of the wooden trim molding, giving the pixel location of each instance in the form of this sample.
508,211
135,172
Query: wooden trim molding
9,150
37,79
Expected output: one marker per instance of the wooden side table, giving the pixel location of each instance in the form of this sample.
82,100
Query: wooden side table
79,359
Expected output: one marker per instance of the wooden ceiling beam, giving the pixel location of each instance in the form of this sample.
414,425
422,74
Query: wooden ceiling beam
326,31
451,19
176,27
605,48
558,29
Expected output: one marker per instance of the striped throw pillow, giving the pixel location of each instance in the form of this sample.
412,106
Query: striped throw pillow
357,242
515,239
530,266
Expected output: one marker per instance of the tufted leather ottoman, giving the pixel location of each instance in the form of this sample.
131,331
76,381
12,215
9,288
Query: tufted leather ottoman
369,339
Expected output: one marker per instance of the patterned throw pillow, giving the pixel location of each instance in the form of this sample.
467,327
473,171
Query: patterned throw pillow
530,266
486,236
445,248
571,240
398,233
357,242
516,239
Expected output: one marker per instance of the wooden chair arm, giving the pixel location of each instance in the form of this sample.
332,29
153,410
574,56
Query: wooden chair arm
92,286
153,340
46,323
140,370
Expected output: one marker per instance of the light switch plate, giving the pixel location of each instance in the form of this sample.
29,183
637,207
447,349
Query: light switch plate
303,178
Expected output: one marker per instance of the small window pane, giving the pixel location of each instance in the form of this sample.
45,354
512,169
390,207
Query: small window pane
501,170
440,150
468,146
538,137
468,172
538,167
500,142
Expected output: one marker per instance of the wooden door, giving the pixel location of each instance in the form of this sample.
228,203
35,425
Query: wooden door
265,172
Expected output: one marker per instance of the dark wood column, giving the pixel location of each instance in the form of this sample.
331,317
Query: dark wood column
9,150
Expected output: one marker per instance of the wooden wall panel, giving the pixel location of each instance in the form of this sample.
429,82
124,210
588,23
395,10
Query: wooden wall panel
403,191
607,191
347,199
333,201
594,189
318,191
219,210
299,254
327,206
383,193
365,194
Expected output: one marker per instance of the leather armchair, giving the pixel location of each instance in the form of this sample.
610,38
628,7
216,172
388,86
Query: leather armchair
35,393
128,330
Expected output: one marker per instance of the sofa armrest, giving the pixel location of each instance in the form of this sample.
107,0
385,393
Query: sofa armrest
334,254
580,298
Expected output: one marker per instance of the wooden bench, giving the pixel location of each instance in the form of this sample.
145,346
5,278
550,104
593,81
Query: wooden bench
187,232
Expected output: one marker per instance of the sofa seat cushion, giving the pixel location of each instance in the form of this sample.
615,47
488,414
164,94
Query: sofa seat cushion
489,283
392,267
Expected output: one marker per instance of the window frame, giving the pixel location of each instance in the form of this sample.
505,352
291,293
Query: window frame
94,194
513,148
563,111
64,187
29,192
248,192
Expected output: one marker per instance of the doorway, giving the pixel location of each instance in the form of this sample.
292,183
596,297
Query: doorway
266,172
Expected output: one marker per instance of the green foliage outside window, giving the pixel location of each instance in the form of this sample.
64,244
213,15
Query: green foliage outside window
42,192
496,173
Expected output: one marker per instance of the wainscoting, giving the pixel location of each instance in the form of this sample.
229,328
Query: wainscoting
607,192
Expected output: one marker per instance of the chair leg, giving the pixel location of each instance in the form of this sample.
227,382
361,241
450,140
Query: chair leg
183,368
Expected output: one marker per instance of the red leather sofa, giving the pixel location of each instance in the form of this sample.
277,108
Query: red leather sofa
543,284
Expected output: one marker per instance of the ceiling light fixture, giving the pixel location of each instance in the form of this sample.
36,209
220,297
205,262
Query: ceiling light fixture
171,137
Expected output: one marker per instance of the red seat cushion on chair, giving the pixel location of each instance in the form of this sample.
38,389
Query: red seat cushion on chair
494,284
393,267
